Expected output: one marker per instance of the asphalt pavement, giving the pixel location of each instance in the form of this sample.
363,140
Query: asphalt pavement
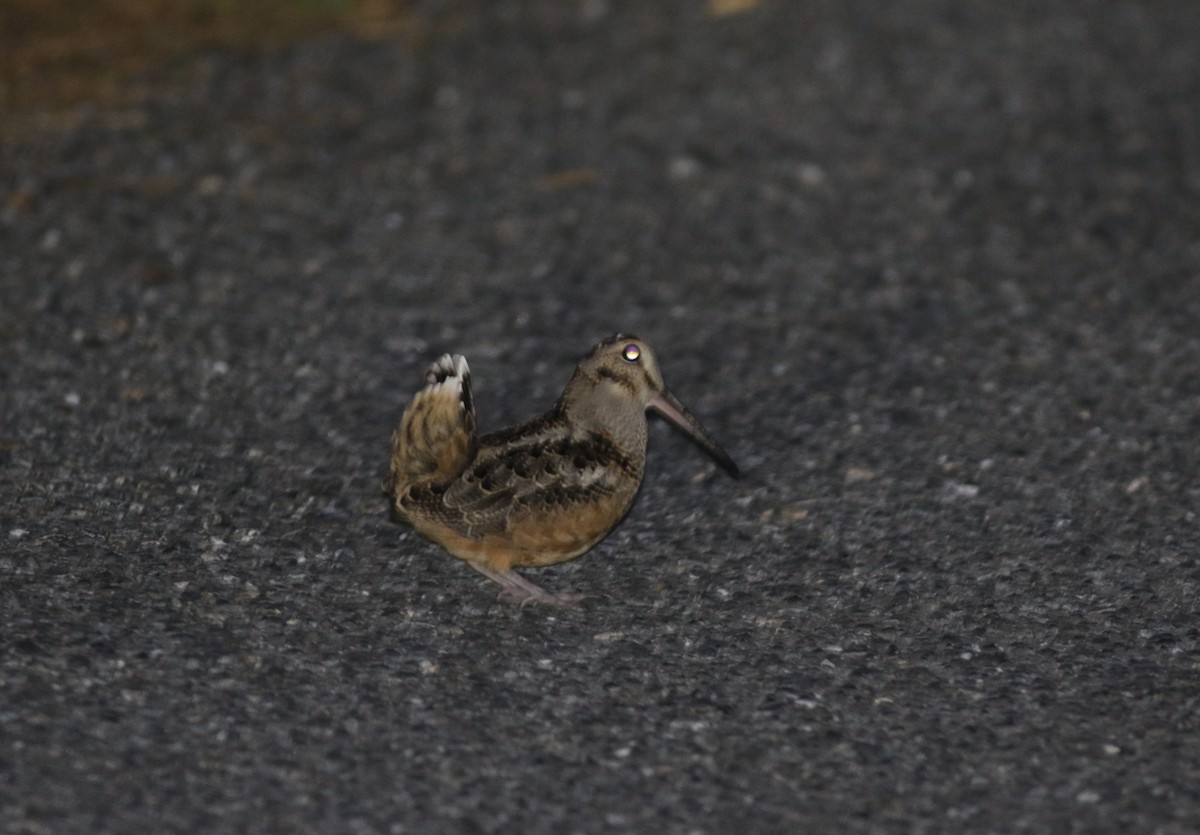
929,270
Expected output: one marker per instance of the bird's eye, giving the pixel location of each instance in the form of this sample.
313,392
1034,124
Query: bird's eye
631,353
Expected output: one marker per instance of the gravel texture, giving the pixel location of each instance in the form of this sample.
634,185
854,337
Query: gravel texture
930,270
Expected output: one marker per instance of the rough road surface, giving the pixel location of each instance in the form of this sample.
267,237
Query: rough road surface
930,270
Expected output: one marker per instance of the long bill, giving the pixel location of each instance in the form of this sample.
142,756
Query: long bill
667,405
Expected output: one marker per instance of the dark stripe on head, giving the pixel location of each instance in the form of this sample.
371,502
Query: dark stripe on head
621,380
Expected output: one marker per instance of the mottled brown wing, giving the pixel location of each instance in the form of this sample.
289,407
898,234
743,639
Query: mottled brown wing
514,480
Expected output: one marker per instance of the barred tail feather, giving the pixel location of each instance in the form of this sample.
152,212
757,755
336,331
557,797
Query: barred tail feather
436,437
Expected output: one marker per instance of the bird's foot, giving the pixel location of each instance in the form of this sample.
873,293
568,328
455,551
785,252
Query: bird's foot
522,591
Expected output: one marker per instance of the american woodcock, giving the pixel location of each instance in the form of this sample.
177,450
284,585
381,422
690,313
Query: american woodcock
543,492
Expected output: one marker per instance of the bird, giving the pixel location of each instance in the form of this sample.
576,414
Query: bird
542,492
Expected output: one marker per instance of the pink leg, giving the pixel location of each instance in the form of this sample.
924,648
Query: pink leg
523,591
